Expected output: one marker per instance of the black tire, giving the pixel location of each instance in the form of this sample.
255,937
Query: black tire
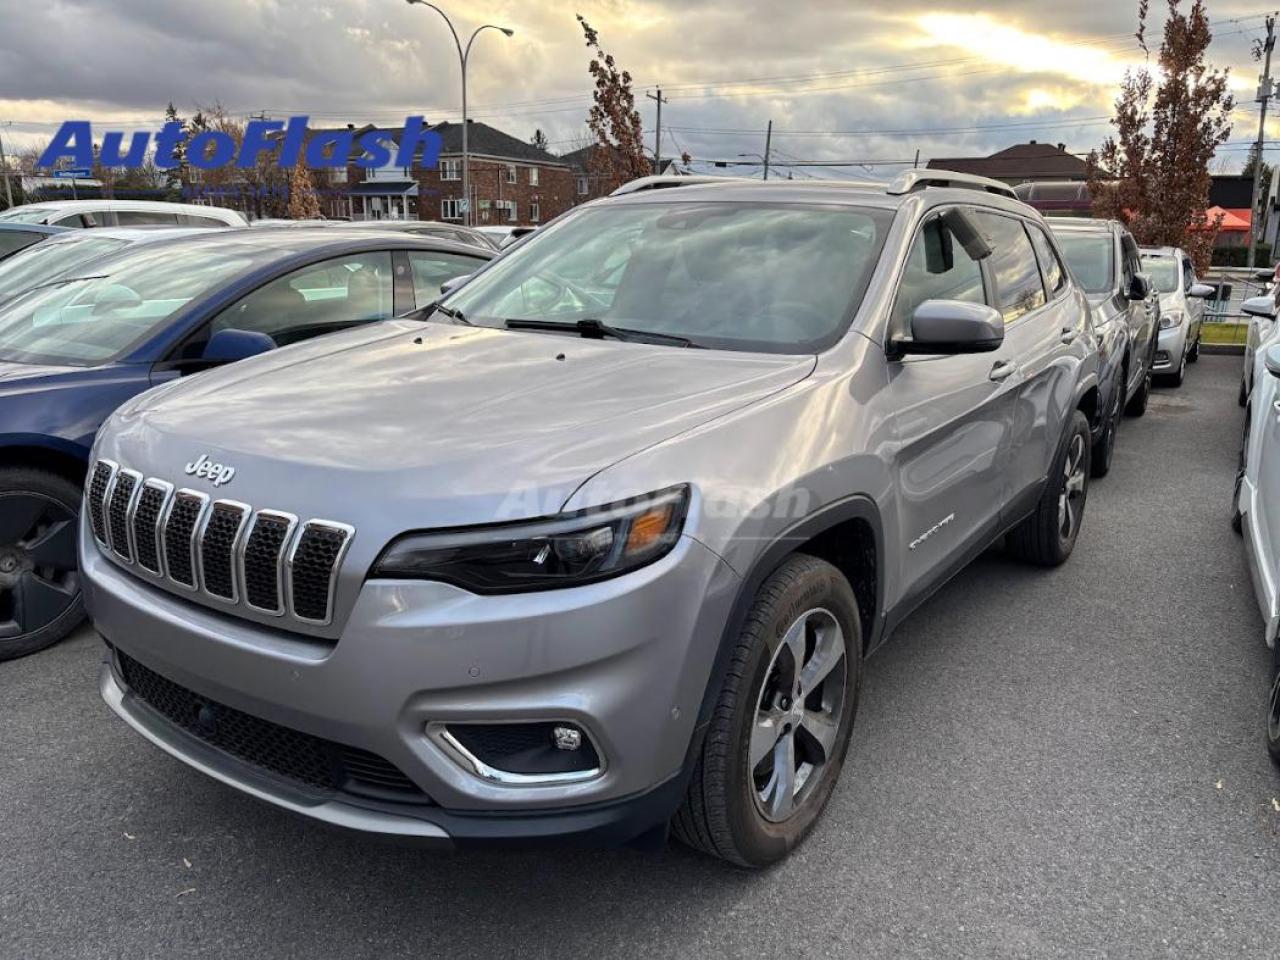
723,813
40,599
1242,397
1137,404
1104,447
1048,536
1273,707
1194,353
1176,378
1237,518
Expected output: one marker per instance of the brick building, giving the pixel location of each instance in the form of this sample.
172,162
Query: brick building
589,184
512,182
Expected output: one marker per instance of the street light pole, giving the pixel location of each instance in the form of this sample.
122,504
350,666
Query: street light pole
464,54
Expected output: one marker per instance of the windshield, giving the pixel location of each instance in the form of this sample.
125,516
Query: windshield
1090,256
27,214
50,260
93,319
1163,272
779,278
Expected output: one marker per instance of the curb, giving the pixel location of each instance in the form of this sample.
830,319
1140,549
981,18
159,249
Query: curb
1223,349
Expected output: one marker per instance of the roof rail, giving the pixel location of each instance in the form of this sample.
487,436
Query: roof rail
912,180
667,180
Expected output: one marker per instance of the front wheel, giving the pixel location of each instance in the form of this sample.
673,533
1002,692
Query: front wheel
39,576
1048,536
1104,447
1194,354
1237,518
777,738
1178,376
1137,405
1273,707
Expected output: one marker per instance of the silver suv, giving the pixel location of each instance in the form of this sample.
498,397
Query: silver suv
601,546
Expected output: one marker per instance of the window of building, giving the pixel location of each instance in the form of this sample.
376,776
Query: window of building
534,213
533,176
451,209
451,169
511,173
583,187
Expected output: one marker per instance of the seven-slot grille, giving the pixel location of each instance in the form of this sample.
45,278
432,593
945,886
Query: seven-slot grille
263,559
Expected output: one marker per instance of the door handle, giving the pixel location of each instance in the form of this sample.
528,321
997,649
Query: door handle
1002,371
1069,334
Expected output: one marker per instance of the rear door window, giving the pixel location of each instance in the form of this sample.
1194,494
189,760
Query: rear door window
1019,289
1055,277
431,269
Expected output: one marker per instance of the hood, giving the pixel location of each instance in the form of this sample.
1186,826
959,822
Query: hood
20,377
431,424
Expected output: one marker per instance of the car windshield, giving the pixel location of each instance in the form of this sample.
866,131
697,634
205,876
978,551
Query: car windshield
48,261
779,278
1163,272
1090,256
93,319
27,214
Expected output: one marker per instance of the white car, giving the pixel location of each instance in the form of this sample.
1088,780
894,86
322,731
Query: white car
123,213
1256,508
1181,310
1261,311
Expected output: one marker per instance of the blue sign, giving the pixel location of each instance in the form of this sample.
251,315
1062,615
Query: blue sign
81,174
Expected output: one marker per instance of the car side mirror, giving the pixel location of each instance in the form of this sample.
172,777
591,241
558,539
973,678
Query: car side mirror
1139,287
1202,290
453,284
1271,359
228,346
1264,307
953,326
1266,275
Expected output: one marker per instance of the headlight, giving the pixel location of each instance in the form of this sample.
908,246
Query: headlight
561,551
1170,320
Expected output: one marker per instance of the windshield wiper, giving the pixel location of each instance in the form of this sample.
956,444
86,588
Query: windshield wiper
422,313
593,329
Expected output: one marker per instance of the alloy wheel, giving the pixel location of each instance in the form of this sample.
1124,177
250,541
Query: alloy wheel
1070,500
39,580
798,714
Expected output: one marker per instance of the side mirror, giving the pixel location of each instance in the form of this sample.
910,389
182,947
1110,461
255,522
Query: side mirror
1203,291
1139,287
1271,359
1264,307
228,346
954,326
1266,276
451,285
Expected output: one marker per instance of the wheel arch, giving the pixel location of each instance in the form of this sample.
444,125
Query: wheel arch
65,459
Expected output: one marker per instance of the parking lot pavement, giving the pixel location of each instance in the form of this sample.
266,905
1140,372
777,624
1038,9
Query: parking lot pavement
1062,762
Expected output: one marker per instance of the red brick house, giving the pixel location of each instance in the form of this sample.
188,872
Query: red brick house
511,182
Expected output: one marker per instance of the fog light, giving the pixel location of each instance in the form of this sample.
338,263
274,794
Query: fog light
567,738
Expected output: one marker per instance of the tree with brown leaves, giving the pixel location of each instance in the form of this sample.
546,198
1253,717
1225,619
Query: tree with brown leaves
1153,175
303,202
613,119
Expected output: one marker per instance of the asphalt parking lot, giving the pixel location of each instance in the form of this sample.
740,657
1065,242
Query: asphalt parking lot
1062,762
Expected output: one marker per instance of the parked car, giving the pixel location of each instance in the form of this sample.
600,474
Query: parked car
1261,312
61,255
431,228
16,237
1255,512
1105,260
122,213
1181,310
73,350
604,543
503,236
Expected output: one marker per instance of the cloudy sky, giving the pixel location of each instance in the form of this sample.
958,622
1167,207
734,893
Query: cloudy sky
870,81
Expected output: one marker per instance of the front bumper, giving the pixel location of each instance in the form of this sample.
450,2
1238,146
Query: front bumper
1170,347
627,660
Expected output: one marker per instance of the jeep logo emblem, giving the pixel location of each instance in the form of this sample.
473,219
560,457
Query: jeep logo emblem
216,473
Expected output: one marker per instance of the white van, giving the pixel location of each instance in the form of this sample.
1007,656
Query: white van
122,213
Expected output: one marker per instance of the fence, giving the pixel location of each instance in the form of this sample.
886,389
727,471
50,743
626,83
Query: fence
1225,322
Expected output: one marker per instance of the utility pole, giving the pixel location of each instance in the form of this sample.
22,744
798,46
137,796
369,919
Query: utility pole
657,137
768,142
1264,97
4,166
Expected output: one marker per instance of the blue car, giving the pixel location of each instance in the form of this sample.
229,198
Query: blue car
75,349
